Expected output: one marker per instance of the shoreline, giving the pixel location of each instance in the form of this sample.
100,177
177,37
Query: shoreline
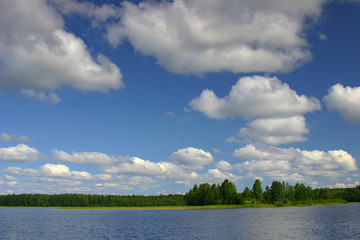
254,205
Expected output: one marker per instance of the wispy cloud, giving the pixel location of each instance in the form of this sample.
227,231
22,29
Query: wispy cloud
41,96
84,157
8,138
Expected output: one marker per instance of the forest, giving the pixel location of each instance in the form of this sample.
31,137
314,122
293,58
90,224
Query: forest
279,193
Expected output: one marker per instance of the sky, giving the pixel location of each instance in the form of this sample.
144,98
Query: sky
151,97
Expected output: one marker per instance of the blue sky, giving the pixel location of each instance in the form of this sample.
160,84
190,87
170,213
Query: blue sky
147,97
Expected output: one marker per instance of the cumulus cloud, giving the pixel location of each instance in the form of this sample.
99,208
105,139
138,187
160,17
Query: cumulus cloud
215,175
138,166
251,151
276,131
19,153
263,166
293,165
187,36
191,157
224,166
9,138
255,97
84,157
38,55
345,100
331,163
55,171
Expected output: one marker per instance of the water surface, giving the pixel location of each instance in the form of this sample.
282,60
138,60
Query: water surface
318,222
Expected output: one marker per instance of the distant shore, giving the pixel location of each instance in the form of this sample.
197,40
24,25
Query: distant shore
255,205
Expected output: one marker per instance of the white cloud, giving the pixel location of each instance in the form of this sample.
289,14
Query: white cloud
60,181
38,55
11,178
84,157
191,157
19,153
294,165
223,166
295,178
8,138
41,96
87,9
263,166
345,100
276,131
138,166
251,151
194,36
255,97
141,180
331,163
340,185
55,171
215,175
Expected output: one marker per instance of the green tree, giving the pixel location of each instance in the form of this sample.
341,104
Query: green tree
246,194
300,192
267,194
257,190
192,197
277,192
289,192
228,192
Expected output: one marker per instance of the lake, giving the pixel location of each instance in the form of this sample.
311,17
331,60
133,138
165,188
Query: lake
317,222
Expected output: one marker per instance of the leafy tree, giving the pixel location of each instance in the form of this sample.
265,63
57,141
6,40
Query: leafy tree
228,192
257,190
300,192
289,192
277,192
246,194
267,195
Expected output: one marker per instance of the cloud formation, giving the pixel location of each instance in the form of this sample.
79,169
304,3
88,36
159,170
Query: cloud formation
345,100
19,153
329,163
37,55
289,163
251,151
192,158
41,96
84,157
138,166
55,171
87,9
187,36
8,138
276,131
255,97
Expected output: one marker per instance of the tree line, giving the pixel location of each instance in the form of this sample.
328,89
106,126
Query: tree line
200,195
276,193
90,200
